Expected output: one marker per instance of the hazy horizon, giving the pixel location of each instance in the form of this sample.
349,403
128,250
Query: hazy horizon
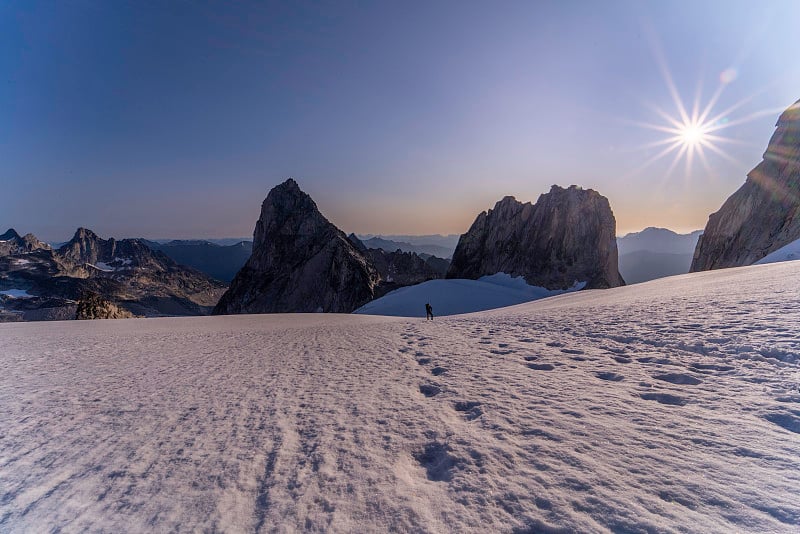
175,120
69,235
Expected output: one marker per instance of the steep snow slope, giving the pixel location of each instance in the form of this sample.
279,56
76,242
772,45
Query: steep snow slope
667,406
456,296
788,252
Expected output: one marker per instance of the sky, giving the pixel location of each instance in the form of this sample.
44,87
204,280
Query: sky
175,119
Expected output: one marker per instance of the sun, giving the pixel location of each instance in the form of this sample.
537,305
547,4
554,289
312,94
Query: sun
691,132
692,135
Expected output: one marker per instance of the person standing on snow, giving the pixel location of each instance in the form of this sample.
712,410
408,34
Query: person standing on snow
428,312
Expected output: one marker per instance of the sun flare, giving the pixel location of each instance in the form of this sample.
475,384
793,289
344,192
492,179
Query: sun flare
692,131
692,135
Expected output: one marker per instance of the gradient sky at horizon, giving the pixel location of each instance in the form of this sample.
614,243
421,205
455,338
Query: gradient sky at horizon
174,119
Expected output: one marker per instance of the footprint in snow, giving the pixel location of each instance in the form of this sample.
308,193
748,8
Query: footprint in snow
607,375
789,420
706,367
678,378
541,366
429,390
665,398
436,371
471,409
437,461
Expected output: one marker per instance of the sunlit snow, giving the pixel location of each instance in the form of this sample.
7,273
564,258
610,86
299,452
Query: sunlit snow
788,252
16,293
668,406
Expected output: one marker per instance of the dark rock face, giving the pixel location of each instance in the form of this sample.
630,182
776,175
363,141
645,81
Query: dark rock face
398,269
300,263
357,243
12,243
568,236
764,214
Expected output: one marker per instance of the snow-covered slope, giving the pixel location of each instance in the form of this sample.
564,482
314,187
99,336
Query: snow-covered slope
788,252
455,296
669,406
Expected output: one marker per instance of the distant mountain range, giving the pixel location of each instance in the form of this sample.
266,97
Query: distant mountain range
655,253
221,262
38,282
432,245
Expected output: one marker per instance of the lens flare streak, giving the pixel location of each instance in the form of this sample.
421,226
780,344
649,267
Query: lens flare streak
694,131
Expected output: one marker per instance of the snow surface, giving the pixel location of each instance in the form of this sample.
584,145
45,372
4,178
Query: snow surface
456,296
16,293
117,264
102,266
668,406
788,252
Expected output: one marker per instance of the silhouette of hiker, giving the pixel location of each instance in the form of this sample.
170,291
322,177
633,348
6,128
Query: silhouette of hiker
428,312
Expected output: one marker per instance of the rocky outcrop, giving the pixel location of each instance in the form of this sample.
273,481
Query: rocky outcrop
301,262
12,243
764,214
399,269
360,246
93,306
567,236
149,281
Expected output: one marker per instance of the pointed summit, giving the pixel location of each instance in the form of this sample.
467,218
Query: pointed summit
84,247
9,235
12,243
301,262
82,234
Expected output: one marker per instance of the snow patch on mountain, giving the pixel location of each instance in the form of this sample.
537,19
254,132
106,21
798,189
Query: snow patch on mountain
456,296
788,252
16,293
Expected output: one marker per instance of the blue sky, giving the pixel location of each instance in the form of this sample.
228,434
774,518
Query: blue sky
174,119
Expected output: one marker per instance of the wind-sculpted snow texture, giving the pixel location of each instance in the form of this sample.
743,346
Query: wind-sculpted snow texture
669,406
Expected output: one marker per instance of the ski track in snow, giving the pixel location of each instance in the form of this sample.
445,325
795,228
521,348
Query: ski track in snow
669,406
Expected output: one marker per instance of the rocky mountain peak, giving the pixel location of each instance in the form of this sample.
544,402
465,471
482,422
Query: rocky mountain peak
357,242
9,235
83,234
568,236
12,243
763,215
301,262
85,247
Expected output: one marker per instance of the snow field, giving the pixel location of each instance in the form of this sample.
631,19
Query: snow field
669,406
458,296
